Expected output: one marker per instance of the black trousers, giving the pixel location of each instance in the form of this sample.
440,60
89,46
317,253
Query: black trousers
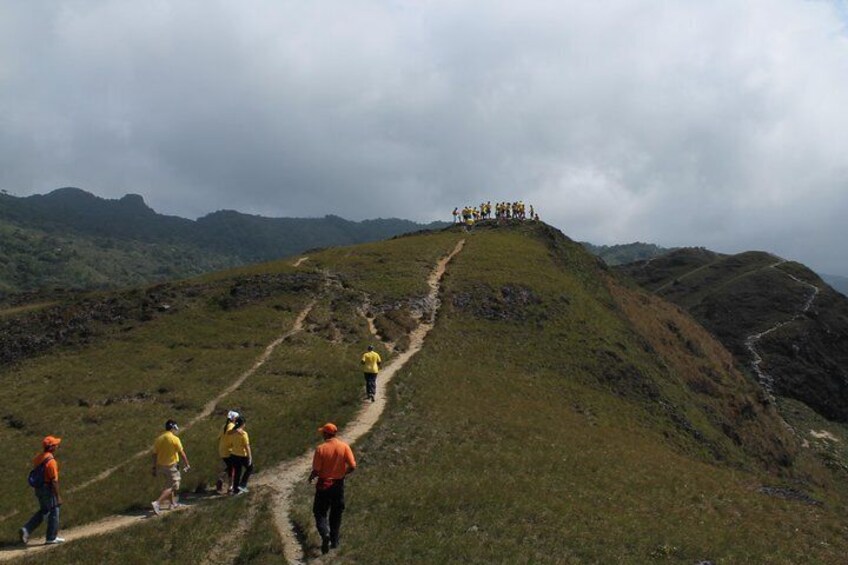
370,384
240,470
330,501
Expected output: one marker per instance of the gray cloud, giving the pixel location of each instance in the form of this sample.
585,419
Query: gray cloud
716,123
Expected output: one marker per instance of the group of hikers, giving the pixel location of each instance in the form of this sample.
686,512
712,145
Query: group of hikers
332,462
502,211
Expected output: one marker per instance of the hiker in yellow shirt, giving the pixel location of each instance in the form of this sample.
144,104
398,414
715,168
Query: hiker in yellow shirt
241,457
167,450
224,453
371,365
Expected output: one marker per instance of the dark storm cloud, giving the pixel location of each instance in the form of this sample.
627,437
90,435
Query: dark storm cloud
718,124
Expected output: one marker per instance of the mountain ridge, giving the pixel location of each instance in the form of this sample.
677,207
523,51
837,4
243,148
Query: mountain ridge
70,238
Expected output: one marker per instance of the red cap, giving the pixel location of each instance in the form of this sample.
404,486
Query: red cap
328,428
50,441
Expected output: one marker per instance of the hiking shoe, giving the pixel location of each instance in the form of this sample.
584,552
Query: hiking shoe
54,541
243,489
325,545
372,398
24,536
156,509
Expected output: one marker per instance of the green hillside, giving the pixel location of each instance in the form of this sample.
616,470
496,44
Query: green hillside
556,413
737,296
625,252
71,239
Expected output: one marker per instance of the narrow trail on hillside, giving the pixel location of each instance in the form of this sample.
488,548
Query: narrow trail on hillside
683,276
300,261
117,522
766,380
210,406
372,328
228,546
283,478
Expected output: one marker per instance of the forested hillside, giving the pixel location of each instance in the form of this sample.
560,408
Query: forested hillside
72,239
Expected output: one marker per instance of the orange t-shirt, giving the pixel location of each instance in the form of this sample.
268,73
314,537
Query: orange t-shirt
332,459
51,469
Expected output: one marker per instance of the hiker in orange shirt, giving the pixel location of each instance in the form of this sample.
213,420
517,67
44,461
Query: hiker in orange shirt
44,478
332,462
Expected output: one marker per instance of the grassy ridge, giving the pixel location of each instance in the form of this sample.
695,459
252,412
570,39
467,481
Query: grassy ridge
115,392
554,415
513,437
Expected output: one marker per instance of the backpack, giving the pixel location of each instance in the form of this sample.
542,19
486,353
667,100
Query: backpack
36,476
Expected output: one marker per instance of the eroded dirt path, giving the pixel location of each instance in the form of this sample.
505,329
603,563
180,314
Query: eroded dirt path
300,261
113,523
283,479
766,380
210,406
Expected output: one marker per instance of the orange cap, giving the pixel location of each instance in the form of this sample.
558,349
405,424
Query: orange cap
328,428
50,441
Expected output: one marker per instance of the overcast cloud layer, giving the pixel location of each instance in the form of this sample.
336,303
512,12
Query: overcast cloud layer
719,123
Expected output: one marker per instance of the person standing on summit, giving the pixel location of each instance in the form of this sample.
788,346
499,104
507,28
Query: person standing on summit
371,364
44,478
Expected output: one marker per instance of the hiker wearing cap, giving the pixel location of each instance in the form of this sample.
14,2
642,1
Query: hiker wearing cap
44,478
240,460
332,462
224,454
371,363
167,450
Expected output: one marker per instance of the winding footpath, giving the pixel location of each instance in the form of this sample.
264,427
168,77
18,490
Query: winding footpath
766,380
282,480
118,522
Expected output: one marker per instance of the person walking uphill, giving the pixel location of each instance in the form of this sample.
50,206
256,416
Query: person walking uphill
332,462
371,363
44,478
167,450
224,454
240,460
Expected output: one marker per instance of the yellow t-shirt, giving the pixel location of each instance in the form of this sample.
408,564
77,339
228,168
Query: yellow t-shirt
167,448
223,448
370,360
237,443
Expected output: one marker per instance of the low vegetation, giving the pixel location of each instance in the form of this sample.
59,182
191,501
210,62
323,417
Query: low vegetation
556,413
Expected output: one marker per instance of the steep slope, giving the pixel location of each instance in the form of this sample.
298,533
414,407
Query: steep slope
760,305
554,413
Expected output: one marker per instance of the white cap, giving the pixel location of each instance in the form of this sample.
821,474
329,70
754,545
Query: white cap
232,415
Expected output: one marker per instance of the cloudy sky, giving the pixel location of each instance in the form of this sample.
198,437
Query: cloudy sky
719,123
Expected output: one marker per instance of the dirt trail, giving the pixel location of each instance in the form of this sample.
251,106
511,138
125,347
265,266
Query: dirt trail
113,523
210,406
283,479
227,547
751,341
363,311
300,261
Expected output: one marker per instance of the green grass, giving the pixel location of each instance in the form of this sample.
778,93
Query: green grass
509,441
109,398
554,415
